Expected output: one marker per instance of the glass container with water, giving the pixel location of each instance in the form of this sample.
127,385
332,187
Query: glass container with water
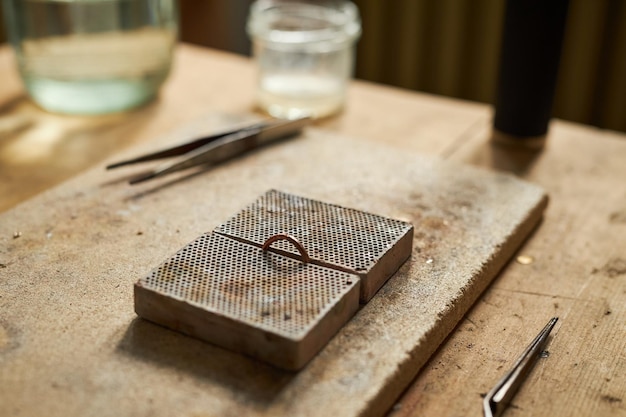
304,52
92,56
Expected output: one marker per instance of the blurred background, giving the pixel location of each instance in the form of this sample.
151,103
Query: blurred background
451,48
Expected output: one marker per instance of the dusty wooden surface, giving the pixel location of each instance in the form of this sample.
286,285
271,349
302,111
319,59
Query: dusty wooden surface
578,268
578,273
102,235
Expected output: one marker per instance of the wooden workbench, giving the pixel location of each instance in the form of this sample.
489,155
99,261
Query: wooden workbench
574,265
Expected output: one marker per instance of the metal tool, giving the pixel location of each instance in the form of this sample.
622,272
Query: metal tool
499,397
216,148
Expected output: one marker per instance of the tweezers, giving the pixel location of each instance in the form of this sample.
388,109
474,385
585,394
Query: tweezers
215,148
499,397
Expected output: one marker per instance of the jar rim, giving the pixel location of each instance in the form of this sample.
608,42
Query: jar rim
303,22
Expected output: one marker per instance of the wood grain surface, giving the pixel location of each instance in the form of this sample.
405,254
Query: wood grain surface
573,266
117,233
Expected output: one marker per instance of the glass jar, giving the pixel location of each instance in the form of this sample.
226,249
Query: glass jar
304,52
92,56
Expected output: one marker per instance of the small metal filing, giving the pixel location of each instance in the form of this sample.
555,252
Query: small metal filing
262,285
499,397
215,148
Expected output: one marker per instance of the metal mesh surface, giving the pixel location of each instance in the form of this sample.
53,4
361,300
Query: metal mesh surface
346,238
243,283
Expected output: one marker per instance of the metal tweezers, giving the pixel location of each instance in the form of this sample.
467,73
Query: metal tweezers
499,397
216,148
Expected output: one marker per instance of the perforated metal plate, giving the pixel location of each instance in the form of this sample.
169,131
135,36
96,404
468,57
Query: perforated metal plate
237,296
372,246
225,289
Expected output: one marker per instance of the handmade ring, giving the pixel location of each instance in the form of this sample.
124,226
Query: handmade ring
304,256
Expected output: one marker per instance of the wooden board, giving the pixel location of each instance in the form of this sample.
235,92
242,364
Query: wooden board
575,269
70,339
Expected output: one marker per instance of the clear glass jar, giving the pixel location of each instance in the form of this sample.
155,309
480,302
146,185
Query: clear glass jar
304,51
92,56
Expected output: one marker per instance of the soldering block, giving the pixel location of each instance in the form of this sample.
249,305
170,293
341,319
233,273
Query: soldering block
368,245
227,289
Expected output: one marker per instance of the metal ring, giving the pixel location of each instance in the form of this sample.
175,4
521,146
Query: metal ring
304,256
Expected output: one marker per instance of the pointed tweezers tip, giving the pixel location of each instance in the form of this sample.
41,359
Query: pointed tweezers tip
493,408
142,178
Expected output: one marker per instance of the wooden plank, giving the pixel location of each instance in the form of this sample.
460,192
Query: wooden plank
583,232
577,273
73,341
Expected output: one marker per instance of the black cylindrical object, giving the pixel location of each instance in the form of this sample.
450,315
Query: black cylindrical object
529,63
